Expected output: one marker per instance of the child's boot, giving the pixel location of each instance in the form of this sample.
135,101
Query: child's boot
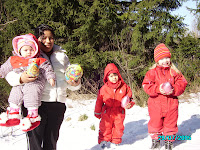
10,118
114,146
168,145
103,145
155,144
31,121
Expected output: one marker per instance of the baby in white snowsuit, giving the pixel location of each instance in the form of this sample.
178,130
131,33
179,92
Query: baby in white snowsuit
26,49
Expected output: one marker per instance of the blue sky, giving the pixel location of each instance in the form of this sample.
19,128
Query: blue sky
189,17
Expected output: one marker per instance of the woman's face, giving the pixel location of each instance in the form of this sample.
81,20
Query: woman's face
46,41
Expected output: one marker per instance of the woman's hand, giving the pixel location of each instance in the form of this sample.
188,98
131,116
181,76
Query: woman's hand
25,78
52,82
74,83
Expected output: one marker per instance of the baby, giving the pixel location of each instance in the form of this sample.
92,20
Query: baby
26,50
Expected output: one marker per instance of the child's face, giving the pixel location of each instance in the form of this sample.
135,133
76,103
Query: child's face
113,77
27,51
164,62
46,41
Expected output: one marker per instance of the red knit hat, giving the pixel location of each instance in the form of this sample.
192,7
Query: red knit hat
160,52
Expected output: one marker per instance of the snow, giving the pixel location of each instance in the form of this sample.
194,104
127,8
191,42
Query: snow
78,135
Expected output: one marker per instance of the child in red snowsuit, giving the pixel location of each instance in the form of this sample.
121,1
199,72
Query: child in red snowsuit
163,83
108,106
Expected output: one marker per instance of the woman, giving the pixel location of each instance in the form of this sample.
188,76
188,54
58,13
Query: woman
52,109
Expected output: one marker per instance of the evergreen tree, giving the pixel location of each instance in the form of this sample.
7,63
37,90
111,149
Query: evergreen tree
97,32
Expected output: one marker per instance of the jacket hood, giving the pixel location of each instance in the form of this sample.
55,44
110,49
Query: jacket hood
21,40
111,68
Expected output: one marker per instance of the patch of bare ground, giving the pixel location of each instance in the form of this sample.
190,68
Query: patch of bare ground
187,95
77,95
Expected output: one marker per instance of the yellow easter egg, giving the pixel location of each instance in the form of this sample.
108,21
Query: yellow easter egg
33,69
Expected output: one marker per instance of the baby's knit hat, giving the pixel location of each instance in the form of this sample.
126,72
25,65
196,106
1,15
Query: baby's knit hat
23,42
19,41
160,52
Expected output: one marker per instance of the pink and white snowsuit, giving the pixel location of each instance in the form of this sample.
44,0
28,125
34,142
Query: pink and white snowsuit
29,93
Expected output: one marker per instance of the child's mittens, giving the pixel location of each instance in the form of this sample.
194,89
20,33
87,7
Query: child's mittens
97,116
52,82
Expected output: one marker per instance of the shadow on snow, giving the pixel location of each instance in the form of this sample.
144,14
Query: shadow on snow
133,132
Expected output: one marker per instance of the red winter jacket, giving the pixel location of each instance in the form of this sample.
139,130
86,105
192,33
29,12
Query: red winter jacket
108,108
163,106
159,75
109,97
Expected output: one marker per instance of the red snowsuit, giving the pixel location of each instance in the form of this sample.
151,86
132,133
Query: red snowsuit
163,109
108,108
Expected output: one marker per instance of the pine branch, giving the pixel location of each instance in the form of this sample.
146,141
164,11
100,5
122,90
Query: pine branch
5,24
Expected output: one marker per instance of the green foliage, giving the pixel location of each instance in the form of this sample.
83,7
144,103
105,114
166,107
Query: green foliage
186,56
68,119
95,33
92,127
5,89
196,12
83,117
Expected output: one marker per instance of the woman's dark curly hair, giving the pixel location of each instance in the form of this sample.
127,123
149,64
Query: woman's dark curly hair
39,31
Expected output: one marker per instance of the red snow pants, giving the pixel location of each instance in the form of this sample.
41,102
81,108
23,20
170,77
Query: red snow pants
163,117
111,126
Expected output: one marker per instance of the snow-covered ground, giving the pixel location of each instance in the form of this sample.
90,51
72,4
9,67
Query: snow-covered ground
80,135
